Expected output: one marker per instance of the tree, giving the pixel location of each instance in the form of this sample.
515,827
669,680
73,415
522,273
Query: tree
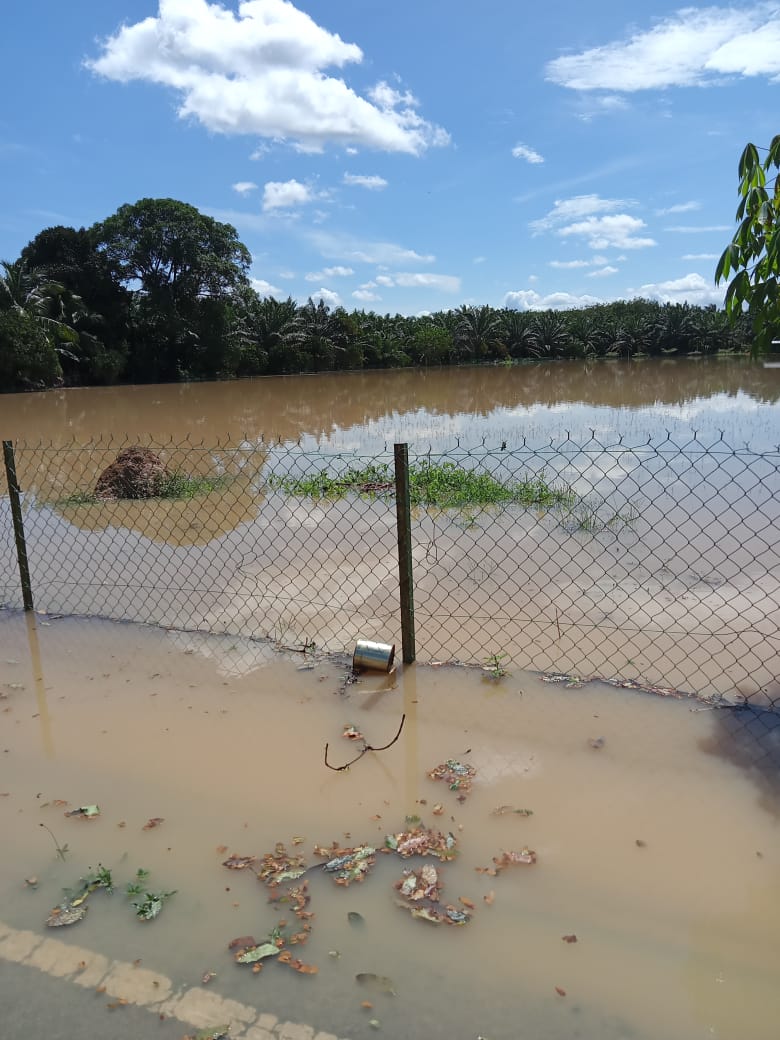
28,359
753,255
180,267
172,250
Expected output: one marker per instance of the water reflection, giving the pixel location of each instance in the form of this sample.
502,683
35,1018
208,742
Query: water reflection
423,403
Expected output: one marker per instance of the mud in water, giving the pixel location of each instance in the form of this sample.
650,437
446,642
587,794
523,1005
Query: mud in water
655,824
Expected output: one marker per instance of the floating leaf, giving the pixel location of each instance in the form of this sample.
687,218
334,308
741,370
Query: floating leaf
66,914
640,844
505,810
366,1004
150,906
378,983
355,919
466,902
560,992
597,743
352,734
153,822
438,809
257,953
457,775
569,938
238,862
218,1033
243,942
207,976
490,897
87,811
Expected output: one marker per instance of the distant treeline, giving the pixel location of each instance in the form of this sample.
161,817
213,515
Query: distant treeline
159,292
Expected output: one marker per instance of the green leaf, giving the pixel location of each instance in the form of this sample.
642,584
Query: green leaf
258,953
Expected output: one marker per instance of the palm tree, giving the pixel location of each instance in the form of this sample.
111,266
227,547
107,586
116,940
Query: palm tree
479,332
57,311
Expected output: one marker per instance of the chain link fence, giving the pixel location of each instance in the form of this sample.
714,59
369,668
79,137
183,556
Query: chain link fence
652,565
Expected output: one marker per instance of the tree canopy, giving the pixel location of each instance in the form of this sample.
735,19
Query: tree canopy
159,292
753,255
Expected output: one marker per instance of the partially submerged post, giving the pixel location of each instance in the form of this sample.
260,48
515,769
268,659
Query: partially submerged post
404,524
16,516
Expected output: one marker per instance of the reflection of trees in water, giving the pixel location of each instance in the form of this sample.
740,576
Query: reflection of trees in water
52,475
292,407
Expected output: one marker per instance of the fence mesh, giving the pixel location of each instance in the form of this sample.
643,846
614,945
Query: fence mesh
652,564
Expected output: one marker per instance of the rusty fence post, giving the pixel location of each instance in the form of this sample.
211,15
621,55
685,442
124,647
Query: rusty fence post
16,516
403,511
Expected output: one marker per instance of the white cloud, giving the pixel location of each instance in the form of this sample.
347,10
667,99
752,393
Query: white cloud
328,297
384,279
366,295
533,278
616,231
479,259
530,300
568,265
261,71
602,272
264,288
445,282
678,207
691,288
244,187
565,210
285,195
701,256
328,272
523,151
338,246
690,229
692,47
371,181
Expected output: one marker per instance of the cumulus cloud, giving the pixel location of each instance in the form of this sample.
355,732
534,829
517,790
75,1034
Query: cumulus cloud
701,256
262,71
692,47
565,210
384,279
366,296
285,195
617,231
337,246
445,282
328,272
244,187
523,151
531,300
327,296
372,182
569,265
264,288
602,272
691,288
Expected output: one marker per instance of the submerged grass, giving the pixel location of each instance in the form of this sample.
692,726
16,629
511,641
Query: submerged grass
172,486
431,484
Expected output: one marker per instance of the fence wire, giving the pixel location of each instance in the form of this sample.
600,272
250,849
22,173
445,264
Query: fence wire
650,565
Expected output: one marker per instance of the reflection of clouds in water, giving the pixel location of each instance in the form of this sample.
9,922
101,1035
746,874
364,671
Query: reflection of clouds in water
233,655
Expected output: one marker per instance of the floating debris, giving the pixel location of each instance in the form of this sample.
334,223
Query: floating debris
88,812
280,865
508,859
597,743
239,862
506,810
351,865
457,775
153,822
420,841
355,919
67,913
151,905
569,938
257,953
377,983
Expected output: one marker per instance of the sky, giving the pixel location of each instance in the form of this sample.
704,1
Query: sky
401,157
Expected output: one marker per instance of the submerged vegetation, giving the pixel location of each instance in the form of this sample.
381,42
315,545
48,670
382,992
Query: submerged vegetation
443,485
159,292
177,486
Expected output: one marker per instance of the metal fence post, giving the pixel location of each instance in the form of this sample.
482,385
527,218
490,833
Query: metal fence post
16,515
403,512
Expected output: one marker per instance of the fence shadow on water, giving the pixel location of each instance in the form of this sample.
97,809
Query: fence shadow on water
653,565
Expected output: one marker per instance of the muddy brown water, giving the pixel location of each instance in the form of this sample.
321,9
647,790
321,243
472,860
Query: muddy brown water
659,848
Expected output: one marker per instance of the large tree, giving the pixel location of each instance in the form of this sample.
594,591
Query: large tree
753,255
181,268
169,249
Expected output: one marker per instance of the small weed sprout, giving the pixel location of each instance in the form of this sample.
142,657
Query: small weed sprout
62,850
494,666
136,888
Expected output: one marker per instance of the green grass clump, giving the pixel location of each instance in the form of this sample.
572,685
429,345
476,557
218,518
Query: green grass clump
430,484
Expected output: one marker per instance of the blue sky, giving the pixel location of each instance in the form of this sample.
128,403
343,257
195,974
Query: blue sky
406,156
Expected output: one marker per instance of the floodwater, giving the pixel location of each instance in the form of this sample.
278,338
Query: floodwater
659,847
682,590
366,410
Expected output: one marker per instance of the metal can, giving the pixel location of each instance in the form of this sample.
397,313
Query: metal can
368,654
